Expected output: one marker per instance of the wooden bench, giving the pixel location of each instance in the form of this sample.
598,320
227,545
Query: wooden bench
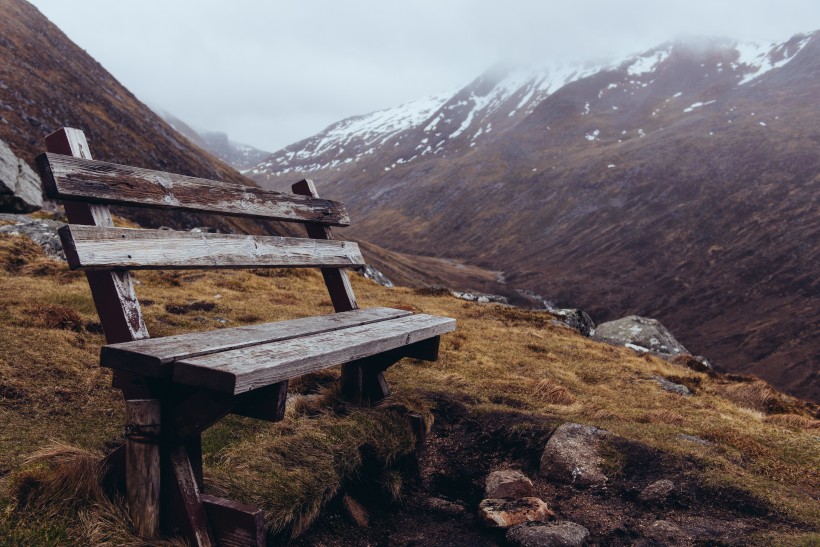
177,386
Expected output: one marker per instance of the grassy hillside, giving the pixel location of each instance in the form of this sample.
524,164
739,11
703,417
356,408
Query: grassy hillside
505,380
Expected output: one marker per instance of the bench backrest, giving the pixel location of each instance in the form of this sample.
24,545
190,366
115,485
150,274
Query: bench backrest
92,243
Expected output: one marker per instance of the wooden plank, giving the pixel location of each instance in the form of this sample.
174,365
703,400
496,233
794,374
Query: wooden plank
68,178
188,511
234,524
113,292
266,403
155,356
253,367
142,474
94,248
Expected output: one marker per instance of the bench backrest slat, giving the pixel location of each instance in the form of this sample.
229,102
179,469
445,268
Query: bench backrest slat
99,248
69,178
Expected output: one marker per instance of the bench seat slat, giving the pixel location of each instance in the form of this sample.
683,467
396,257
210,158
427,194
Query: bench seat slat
69,178
155,356
99,248
245,369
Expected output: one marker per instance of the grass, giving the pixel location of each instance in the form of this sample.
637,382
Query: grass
58,413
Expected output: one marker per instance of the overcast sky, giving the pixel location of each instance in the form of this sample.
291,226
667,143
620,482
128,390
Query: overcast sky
272,73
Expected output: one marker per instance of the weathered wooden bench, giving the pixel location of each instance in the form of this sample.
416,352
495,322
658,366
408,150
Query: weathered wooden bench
177,386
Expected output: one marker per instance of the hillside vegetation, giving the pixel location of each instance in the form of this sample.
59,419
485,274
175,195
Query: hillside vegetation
744,457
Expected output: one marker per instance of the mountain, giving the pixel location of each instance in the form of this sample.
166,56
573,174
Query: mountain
47,82
680,183
239,156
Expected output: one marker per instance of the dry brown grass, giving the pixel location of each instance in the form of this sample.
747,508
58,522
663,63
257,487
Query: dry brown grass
52,388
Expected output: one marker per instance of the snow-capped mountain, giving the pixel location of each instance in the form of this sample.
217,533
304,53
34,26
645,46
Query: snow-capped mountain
680,183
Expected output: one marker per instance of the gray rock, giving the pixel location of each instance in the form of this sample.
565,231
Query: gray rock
665,532
641,331
444,507
20,190
695,439
481,298
508,483
504,513
557,534
698,363
657,492
43,232
672,387
572,455
203,230
576,319
371,273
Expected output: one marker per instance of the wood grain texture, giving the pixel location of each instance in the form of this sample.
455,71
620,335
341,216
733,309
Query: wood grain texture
189,511
97,248
76,179
155,356
245,369
234,524
142,474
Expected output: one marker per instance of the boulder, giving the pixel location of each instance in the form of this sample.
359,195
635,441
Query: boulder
665,532
444,507
672,387
508,483
698,363
504,513
643,332
557,534
20,190
575,319
371,273
657,492
572,455
43,232
481,298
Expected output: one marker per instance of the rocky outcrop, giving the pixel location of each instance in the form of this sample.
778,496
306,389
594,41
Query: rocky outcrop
43,232
20,190
371,273
640,333
508,483
481,298
557,534
657,492
575,319
672,387
572,455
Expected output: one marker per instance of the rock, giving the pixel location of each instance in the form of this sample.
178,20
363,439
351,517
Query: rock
641,331
355,511
657,492
695,439
444,507
508,483
665,532
504,513
578,320
557,534
43,232
572,455
698,363
371,273
20,190
672,387
481,298
204,230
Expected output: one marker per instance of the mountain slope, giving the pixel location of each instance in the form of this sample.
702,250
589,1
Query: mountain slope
679,184
47,82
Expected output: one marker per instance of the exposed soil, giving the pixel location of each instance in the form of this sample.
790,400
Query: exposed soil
464,447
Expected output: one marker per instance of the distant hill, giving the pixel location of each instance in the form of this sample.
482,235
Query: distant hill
239,156
47,82
681,183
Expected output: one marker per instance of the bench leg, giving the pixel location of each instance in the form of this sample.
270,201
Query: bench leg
142,463
185,511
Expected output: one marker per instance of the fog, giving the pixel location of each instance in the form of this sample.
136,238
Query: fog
272,73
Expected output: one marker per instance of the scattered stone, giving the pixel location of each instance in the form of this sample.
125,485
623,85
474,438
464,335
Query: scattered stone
508,483
444,507
641,331
695,439
504,513
371,273
355,511
698,363
657,492
572,455
664,532
672,387
20,190
577,320
481,298
43,232
558,534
